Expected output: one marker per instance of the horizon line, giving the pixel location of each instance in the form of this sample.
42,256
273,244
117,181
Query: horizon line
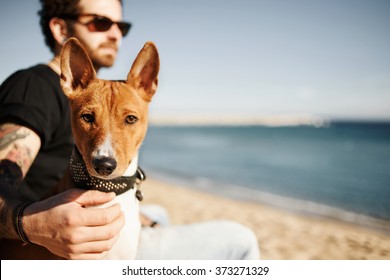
269,120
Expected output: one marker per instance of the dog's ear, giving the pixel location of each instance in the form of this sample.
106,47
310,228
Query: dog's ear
143,73
76,67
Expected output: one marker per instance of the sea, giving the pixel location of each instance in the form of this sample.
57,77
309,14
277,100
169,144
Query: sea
340,170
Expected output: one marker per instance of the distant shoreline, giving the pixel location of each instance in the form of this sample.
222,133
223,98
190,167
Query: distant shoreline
270,121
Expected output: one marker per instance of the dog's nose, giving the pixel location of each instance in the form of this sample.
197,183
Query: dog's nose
104,165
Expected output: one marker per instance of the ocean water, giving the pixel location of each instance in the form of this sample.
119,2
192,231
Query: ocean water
341,170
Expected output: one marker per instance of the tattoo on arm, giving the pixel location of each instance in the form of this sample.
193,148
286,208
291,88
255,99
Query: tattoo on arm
10,173
21,155
17,151
11,177
8,134
16,158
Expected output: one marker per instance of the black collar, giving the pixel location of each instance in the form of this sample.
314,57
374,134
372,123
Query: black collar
83,180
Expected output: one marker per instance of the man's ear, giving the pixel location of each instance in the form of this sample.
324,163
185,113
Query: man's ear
143,73
59,30
76,67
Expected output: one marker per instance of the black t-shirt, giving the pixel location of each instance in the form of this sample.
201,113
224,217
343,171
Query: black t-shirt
33,98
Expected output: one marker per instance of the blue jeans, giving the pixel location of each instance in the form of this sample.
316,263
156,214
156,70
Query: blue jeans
214,240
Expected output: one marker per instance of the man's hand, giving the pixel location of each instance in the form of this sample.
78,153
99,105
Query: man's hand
67,226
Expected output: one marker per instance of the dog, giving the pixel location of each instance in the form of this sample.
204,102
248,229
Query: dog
109,122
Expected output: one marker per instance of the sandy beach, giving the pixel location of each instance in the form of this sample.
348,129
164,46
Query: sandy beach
282,235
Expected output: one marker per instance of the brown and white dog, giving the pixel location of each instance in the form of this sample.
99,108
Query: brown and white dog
109,122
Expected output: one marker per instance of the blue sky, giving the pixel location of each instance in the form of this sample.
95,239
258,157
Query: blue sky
242,58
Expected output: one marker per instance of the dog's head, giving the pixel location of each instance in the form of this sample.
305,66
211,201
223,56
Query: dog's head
109,118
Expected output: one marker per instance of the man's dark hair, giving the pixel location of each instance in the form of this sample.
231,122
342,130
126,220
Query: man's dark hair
56,8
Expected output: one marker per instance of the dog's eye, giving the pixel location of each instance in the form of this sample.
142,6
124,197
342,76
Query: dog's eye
89,118
131,119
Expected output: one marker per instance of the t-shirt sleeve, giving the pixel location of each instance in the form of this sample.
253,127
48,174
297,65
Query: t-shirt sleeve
28,99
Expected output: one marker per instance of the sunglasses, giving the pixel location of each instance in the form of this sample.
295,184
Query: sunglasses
101,23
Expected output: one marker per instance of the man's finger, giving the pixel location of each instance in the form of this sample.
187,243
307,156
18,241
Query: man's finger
92,217
94,198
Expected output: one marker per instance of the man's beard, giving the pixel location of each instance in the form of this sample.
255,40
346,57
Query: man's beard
104,60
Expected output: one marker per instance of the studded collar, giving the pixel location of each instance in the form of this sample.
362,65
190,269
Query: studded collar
83,180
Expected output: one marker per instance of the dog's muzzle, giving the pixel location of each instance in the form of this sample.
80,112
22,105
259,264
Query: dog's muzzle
83,180
104,165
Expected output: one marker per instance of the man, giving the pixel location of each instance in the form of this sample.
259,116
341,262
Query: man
36,141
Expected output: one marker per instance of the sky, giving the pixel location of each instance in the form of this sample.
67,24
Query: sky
242,58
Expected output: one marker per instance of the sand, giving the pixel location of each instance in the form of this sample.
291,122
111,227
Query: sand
282,235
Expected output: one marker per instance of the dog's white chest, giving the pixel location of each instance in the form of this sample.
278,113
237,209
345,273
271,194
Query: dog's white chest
125,247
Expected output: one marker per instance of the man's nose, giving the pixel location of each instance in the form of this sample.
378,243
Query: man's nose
114,33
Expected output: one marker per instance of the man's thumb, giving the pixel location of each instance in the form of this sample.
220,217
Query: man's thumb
94,198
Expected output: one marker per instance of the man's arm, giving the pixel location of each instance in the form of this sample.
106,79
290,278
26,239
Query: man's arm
18,149
63,223
19,144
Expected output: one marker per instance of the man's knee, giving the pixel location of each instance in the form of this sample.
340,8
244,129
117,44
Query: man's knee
155,213
244,239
